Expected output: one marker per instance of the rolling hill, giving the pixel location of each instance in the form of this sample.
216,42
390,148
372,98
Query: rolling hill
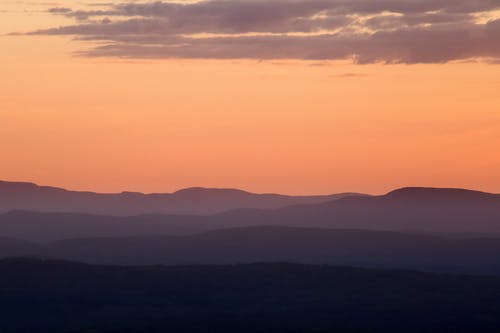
202,201
59,296
409,209
361,248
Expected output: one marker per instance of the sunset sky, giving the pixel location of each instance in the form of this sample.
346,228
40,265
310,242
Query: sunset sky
295,96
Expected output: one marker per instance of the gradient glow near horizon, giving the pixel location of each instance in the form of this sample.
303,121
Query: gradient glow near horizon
292,96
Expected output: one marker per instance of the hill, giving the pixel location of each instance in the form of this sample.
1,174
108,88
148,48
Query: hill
410,209
361,248
60,296
29,196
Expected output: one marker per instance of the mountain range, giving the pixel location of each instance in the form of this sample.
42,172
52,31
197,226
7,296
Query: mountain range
361,248
412,260
196,200
427,210
432,229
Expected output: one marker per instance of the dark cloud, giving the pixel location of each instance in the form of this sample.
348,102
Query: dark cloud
349,75
407,31
60,10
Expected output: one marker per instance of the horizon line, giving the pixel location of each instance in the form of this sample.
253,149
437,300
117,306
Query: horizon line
239,190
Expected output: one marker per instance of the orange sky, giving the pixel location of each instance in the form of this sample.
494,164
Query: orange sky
292,126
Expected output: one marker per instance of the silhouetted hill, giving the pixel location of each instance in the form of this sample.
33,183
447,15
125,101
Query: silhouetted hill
447,194
415,209
28,196
411,209
14,247
360,248
36,226
58,296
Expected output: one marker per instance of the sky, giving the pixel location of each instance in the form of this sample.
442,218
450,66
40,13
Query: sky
286,96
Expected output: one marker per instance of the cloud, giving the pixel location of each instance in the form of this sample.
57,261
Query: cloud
63,10
391,31
349,75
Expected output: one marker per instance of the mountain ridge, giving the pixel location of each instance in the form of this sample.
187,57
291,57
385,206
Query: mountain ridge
359,248
194,200
460,211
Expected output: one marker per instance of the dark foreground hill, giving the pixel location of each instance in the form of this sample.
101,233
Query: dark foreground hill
56,296
29,196
381,249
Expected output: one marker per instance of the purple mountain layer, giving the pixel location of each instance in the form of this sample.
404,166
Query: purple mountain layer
198,201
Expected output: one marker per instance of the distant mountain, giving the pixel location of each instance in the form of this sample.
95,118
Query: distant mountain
14,247
359,248
28,196
410,209
36,226
58,296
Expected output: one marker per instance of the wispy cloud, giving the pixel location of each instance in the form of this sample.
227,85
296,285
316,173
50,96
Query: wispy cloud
391,31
